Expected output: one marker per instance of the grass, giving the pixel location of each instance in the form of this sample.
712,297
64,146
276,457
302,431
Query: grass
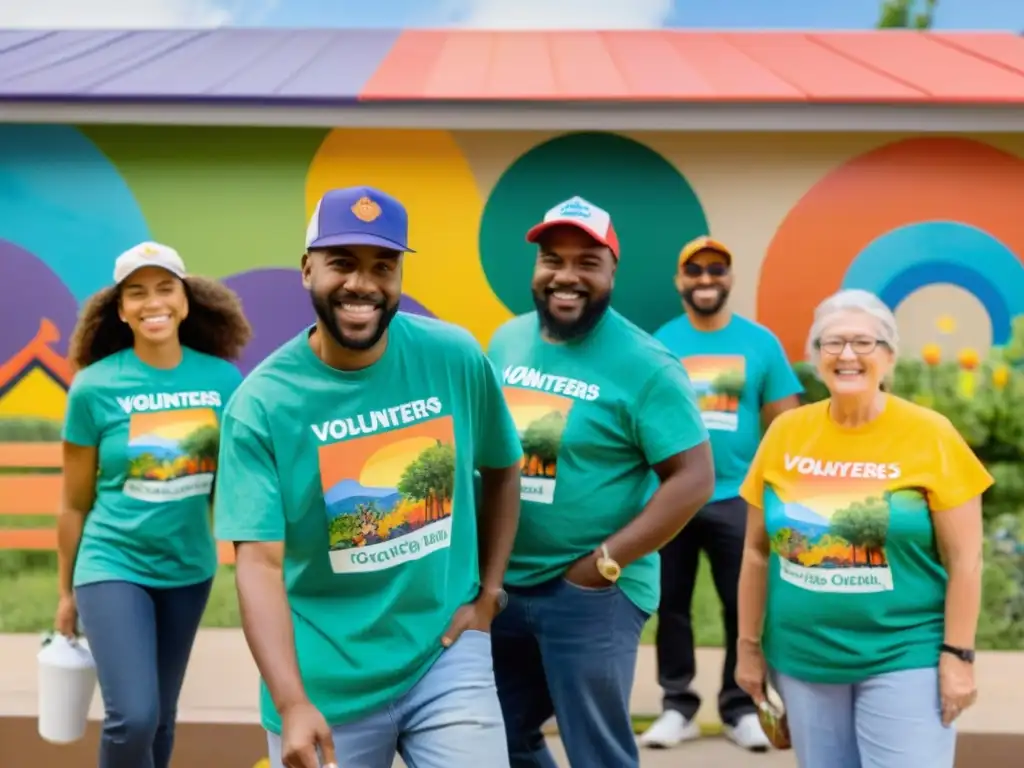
28,593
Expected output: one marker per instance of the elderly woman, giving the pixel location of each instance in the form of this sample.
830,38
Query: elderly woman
861,579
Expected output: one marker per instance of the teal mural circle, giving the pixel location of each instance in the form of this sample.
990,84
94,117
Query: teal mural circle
654,210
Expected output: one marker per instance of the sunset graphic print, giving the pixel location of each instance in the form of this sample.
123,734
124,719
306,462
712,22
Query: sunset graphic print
172,454
829,533
389,495
540,420
718,384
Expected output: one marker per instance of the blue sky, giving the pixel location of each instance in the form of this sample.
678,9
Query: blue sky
492,14
820,14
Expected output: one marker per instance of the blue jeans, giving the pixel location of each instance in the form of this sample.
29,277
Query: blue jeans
449,719
141,639
887,721
568,651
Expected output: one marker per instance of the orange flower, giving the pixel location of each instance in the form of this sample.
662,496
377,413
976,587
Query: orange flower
932,354
968,359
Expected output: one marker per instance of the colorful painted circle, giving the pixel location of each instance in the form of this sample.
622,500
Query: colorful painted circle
654,210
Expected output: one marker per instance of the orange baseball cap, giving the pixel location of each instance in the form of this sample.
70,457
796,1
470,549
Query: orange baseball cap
703,243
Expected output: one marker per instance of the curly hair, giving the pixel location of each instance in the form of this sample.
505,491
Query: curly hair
215,324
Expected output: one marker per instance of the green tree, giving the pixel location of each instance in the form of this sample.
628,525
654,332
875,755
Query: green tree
729,383
203,443
543,437
864,524
907,14
430,478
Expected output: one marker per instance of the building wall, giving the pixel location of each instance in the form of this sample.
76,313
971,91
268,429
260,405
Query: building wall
933,224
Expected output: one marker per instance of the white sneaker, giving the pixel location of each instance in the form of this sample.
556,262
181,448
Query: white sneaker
747,734
669,730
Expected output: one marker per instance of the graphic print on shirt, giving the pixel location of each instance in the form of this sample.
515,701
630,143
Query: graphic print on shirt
389,495
830,531
540,420
718,384
172,454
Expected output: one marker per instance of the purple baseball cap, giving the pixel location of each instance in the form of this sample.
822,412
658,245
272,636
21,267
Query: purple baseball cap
358,216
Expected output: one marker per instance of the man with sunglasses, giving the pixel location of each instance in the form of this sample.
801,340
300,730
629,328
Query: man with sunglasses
742,380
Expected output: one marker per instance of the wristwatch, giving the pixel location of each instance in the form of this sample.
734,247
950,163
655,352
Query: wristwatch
502,599
964,654
607,567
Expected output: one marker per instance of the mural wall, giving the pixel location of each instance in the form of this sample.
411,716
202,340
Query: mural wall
933,225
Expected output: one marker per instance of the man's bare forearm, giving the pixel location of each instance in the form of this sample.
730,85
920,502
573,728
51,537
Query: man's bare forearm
267,624
681,494
498,521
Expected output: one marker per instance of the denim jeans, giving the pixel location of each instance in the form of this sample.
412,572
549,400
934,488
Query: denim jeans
569,651
888,721
449,719
141,639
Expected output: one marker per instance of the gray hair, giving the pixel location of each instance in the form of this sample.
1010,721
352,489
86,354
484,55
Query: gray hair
854,300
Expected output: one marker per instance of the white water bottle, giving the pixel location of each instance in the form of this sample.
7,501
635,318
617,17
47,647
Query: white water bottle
67,684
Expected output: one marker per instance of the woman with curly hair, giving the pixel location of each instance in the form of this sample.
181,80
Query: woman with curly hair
135,550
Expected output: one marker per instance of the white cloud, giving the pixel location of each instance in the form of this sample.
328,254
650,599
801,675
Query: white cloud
125,14
559,14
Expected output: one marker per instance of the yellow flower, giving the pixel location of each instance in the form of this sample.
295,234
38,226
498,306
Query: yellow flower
946,324
1001,376
932,354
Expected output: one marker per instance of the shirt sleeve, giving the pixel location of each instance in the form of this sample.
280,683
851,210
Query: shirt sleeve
781,380
752,489
247,502
960,475
496,440
80,425
667,418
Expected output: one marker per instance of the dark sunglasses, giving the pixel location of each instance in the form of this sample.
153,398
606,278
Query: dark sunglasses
714,269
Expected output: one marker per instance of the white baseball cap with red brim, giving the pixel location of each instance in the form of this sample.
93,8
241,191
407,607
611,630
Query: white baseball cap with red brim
577,212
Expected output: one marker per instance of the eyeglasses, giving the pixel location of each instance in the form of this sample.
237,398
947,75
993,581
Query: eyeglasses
860,346
714,269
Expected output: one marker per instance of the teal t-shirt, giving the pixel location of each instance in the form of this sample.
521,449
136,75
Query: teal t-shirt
156,433
594,416
735,371
367,478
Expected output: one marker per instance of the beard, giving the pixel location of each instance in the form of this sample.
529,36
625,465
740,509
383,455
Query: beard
324,308
561,330
708,310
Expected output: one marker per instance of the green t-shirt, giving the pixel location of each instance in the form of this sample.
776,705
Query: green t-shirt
735,372
856,587
594,415
367,478
156,432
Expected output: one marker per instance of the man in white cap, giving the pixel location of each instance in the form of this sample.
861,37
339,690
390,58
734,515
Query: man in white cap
598,404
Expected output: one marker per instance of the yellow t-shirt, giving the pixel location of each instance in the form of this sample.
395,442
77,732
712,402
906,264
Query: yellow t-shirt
856,587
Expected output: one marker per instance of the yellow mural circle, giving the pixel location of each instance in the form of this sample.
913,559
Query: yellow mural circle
426,171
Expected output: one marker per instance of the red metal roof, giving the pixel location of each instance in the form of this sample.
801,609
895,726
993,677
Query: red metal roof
288,66
892,66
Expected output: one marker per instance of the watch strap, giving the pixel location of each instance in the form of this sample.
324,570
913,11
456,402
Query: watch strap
964,654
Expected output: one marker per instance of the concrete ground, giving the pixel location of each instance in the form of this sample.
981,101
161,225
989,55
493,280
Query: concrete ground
712,751
221,687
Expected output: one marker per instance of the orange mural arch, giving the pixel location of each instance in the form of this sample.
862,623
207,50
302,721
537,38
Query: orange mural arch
902,183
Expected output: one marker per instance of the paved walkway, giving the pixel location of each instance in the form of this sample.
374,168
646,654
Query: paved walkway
222,683
708,752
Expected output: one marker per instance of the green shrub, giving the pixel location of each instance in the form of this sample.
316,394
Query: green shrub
29,430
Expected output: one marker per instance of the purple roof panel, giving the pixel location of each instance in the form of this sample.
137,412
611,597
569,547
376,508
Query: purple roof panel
222,64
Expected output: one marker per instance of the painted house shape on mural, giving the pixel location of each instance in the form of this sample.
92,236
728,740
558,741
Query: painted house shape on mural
34,381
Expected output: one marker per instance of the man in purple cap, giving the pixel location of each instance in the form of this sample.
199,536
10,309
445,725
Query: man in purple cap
601,408
366,579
